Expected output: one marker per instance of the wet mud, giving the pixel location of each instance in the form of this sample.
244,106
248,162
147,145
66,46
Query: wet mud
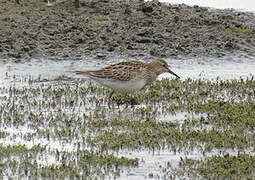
106,29
54,125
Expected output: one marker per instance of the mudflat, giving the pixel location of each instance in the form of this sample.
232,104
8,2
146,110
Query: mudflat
108,28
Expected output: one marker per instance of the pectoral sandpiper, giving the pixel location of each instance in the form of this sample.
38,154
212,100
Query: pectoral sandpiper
130,76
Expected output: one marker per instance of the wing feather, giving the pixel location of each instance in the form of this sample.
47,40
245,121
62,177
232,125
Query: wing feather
123,71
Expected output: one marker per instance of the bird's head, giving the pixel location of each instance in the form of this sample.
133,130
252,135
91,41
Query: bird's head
160,66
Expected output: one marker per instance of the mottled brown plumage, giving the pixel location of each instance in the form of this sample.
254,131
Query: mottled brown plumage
126,77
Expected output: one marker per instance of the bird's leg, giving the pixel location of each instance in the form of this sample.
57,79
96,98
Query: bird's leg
110,96
110,100
133,101
122,99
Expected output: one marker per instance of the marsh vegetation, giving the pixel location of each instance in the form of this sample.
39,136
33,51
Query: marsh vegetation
73,129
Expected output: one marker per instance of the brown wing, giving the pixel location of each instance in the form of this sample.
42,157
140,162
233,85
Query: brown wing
123,71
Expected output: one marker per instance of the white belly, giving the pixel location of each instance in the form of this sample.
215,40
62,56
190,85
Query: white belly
122,86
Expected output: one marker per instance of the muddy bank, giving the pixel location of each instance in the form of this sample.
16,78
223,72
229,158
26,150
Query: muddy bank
103,29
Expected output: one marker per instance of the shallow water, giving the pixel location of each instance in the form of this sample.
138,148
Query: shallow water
211,69
247,5
55,72
201,68
153,162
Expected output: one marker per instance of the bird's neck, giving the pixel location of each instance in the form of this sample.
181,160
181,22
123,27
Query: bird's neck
152,68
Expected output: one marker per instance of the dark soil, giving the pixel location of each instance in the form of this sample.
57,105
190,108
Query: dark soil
106,28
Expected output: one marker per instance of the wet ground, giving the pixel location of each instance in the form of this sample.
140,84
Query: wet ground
249,5
54,123
197,68
110,29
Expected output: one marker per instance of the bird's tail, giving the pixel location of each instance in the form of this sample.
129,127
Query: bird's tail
79,72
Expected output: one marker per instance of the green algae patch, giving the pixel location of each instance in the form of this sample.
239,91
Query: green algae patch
161,137
108,160
222,167
7,150
90,165
240,30
240,115
85,128
131,124
61,171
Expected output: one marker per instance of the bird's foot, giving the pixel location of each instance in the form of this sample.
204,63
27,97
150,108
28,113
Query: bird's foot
121,99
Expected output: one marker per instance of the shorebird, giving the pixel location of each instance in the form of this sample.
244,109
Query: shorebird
130,76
